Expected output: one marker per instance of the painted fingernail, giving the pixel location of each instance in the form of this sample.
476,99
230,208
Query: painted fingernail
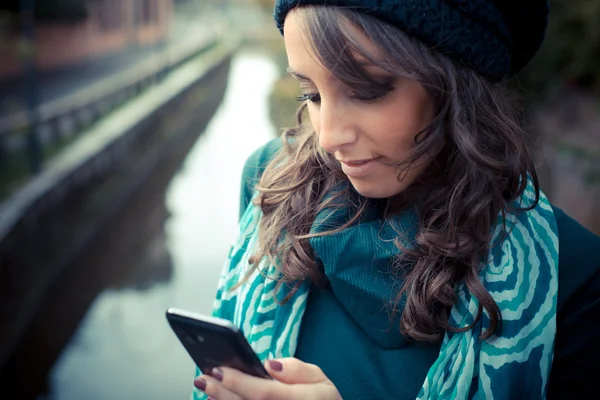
276,365
217,374
200,384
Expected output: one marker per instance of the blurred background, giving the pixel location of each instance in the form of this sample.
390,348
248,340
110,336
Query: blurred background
124,127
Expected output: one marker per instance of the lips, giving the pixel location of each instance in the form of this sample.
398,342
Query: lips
355,163
359,168
358,162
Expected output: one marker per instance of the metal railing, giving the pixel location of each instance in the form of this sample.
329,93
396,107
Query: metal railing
95,152
53,121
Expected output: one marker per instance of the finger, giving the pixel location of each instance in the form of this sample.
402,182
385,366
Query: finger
251,387
293,371
213,388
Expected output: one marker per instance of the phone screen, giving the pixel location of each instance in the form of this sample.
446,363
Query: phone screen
213,342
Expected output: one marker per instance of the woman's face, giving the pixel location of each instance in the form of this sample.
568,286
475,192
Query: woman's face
368,135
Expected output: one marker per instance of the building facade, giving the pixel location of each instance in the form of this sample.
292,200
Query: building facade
111,26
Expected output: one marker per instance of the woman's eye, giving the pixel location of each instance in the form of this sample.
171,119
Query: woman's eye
316,97
371,98
312,97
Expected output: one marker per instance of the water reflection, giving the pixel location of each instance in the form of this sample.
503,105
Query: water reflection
124,348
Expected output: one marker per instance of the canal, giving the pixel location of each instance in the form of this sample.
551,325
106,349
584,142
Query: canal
166,249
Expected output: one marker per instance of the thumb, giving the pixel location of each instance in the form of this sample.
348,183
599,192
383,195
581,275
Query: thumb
293,371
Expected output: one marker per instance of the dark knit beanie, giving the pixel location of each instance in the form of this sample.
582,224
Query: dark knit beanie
496,38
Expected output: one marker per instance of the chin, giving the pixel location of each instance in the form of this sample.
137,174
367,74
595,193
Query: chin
376,191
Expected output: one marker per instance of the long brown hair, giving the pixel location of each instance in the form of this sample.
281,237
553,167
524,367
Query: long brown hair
481,164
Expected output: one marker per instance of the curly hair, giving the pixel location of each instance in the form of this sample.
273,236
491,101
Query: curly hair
481,165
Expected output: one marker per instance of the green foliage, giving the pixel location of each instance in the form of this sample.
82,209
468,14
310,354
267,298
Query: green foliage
268,4
283,104
570,54
282,100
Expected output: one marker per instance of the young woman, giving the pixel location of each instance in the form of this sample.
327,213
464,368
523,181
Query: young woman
398,245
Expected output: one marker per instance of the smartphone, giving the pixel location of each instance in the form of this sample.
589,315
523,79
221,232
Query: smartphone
214,342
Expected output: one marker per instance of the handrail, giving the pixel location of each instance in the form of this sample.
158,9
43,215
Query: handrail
97,92
81,153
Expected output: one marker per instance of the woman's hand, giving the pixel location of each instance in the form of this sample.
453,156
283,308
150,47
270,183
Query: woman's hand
294,379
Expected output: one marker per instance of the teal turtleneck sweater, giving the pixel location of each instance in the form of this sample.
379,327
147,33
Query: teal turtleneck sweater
350,337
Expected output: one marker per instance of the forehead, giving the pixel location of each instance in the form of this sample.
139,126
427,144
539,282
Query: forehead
298,43
301,49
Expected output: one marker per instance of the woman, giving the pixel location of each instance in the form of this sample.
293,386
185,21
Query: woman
398,246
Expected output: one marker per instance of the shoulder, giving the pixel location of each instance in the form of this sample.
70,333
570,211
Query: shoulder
258,160
577,347
253,169
579,258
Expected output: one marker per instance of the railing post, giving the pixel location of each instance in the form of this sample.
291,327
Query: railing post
27,8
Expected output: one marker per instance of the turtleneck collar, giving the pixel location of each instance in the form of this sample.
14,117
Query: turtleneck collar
359,263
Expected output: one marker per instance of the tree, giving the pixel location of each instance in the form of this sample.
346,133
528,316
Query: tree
571,51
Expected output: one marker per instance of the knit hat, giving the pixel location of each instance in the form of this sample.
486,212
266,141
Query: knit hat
496,38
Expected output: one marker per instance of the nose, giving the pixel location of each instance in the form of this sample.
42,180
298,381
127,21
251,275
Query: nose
336,128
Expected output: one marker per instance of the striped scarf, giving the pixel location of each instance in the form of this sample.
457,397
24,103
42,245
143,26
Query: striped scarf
521,276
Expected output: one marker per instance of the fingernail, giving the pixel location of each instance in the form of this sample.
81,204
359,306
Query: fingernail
276,365
200,384
217,374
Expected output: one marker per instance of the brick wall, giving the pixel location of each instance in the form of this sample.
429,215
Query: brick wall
112,25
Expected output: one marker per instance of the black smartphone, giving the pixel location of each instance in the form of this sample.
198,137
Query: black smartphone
214,342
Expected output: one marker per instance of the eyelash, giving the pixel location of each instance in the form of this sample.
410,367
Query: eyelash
312,97
316,97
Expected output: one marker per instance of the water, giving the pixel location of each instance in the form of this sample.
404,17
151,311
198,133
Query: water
124,348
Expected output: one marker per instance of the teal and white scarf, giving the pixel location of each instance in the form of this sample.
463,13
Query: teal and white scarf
521,276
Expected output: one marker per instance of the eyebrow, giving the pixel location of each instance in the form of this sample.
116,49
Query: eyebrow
298,75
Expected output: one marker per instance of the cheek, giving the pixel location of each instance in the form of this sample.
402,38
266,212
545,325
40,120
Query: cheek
395,133
401,123
313,117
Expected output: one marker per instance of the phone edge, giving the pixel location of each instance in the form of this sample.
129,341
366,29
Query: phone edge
200,317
